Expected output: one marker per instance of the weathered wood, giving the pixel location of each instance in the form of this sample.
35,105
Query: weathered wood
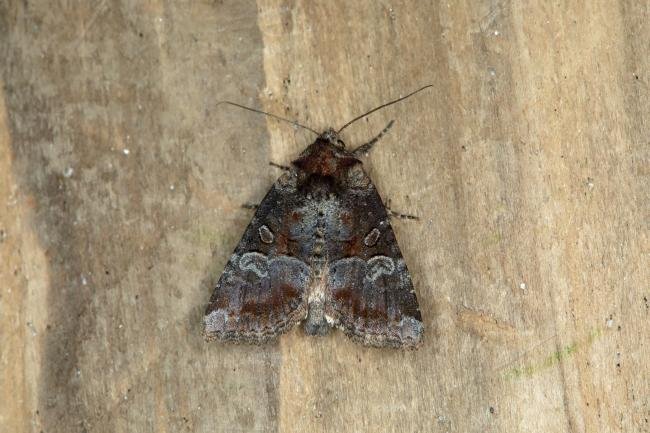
121,188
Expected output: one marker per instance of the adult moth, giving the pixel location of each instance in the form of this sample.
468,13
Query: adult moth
319,249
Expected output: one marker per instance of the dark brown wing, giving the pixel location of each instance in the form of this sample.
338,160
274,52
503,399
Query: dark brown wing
372,296
261,291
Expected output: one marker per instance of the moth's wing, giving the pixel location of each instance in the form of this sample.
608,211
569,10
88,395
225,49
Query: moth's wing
261,291
372,296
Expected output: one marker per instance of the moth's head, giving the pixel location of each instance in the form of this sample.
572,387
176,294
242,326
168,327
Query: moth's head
332,137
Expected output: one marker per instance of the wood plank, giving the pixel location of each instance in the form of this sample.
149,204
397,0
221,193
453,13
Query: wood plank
121,185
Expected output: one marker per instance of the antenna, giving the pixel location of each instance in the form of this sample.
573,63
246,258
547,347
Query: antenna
382,106
293,122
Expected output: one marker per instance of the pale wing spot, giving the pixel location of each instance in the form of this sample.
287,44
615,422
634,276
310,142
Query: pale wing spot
411,329
255,262
266,235
216,321
378,266
372,237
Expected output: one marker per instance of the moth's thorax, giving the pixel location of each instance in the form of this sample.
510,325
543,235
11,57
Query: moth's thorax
326,157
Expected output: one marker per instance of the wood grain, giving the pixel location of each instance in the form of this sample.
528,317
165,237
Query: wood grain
121,185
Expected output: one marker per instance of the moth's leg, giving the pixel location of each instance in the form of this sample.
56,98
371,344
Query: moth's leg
403,216
365,148
283,167
250,206
393,214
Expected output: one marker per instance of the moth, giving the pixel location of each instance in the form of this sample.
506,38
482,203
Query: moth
320,249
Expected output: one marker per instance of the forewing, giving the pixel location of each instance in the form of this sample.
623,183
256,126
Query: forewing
261,291
372,296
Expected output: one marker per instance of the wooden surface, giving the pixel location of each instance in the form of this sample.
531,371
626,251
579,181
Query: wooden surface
121,187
